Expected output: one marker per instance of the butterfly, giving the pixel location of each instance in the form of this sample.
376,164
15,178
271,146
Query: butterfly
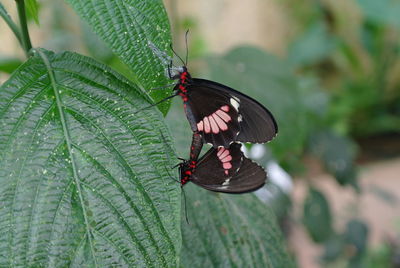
221,169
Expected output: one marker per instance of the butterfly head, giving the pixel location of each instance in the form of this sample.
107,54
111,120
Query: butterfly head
176,73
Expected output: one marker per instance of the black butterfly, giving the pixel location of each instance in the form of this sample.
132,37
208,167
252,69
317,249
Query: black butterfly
222,169
221,114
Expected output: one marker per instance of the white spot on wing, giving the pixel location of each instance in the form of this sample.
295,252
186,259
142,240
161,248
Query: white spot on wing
235,103
226,182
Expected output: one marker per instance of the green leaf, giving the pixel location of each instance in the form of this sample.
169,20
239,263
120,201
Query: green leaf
338,155
127,26
33,9
356,234
230,231
9,64
317,216
83,177
270,81
356,237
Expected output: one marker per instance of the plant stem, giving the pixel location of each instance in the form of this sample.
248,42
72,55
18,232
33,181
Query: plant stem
26,41
10,23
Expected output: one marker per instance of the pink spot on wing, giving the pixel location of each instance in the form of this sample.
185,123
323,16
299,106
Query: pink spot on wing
214,126
215,122
221,124
224,154
206,125
220,151
224,116
225,108
200,125
227,165
227,159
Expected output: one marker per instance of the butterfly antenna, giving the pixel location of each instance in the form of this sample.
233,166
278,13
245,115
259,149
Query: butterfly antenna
187,48
162,87
157,103
177,54
184,198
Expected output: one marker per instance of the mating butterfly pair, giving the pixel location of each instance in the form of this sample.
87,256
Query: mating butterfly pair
222,116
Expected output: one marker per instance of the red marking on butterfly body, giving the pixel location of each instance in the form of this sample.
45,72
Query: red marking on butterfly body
188,172
182,86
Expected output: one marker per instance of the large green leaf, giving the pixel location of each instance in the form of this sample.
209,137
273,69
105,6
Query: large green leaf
127,26
230,231
83,177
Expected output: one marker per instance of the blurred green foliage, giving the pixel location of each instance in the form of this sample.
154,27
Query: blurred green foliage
348,247
353,48
9,63
32,7
338,153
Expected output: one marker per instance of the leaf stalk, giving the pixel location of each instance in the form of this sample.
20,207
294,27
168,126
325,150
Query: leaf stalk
26,41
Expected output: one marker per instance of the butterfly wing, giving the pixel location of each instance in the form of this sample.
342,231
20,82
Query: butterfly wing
211,113
251,121
243,176
218,164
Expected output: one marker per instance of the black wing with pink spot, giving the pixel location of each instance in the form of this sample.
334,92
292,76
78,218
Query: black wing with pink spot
228,170
224,115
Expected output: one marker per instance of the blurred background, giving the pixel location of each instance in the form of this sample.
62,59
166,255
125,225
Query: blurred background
329,70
